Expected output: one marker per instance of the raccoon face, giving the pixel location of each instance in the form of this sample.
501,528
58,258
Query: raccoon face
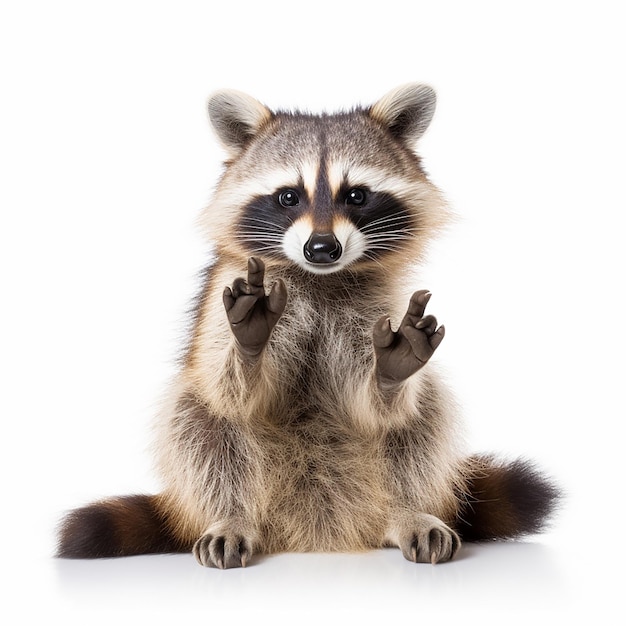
325,192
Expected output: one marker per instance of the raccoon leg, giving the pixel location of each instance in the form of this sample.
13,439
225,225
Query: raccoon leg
212,467
252,314
424,538
400,354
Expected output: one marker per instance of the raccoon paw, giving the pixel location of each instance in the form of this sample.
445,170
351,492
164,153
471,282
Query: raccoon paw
251,314
430,541
222,551
400,354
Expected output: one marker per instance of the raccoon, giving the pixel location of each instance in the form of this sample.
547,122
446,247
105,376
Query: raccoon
305,415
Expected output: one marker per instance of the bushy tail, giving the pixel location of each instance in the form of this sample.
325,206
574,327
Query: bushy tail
506,500
122,526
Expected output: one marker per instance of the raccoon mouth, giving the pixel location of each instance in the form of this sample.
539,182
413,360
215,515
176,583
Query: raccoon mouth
323,268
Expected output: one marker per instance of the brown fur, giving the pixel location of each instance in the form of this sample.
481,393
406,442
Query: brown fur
297,442
505,500
120,526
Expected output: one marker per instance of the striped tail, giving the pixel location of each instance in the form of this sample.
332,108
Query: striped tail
506,500
123,526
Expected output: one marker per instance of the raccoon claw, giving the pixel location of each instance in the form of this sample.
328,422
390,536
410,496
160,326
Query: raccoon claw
222,551
251,314
431,543
400,354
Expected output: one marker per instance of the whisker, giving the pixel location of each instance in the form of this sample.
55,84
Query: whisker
371,257
387,248
382,222
389,228
268,249
269,233
258,220
260,240
406,234
266,237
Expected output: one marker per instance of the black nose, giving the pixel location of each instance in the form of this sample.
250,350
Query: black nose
322,248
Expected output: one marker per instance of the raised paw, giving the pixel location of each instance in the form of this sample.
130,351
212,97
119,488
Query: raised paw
251,313
222,550
430,541
401,353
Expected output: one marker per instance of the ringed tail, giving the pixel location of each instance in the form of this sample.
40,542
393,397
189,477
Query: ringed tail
505,500
121,526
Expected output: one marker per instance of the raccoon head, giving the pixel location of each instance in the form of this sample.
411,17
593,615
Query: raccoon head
325,192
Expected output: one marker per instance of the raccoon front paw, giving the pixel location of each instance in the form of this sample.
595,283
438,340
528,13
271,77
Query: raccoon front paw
430,541
222,550
251,314
400,354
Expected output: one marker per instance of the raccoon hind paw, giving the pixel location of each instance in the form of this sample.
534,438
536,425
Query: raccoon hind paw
222,551
429,540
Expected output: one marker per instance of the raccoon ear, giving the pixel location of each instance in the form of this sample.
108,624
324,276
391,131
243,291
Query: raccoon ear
406,111
236,118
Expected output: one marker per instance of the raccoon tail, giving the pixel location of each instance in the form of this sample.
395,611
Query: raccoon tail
505,500
121,526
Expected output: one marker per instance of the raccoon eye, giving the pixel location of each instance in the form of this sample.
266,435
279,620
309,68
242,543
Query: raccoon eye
288,198
356,197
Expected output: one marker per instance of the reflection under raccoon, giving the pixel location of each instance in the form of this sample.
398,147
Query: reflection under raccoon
305,415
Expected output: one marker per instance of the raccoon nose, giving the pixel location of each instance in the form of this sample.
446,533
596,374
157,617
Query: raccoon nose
322,248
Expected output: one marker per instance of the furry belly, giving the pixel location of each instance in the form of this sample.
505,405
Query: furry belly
325,496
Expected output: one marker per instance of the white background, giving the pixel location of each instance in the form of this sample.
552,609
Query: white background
106,159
